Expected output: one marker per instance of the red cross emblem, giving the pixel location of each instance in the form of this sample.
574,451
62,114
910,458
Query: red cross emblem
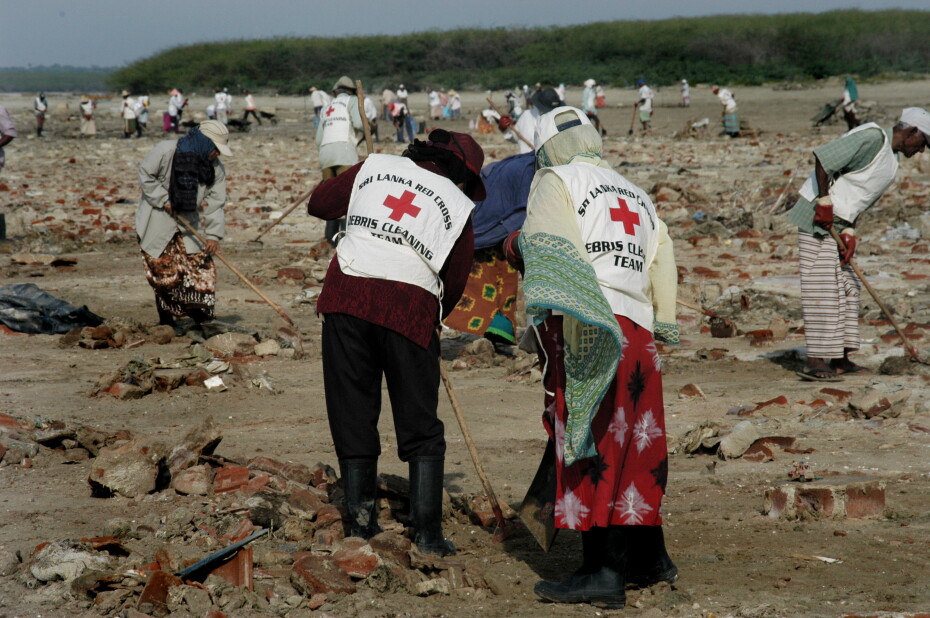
624,215
401,206
329,111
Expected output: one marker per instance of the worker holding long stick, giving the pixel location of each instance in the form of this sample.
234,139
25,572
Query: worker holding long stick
402,264
176,178
850,175
598,307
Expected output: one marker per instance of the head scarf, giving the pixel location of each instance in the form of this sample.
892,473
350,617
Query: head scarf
190,168
570,144
851,87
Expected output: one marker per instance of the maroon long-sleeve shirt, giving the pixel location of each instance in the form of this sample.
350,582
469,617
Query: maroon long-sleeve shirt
402,307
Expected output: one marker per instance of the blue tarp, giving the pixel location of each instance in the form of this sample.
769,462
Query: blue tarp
27,308
504,210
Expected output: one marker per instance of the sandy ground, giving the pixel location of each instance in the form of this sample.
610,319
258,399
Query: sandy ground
734,560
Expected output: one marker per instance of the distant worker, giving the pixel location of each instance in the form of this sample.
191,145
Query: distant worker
128,114
336,138
141,108
251,108
850,175
850,96
730,113
589,105
221,105
88,124
318,100
177,177
542,101
644,104
7,133
600,99
402,95
176,104
371,112
40,106
455,104
561,91
685,93
435,105
387,97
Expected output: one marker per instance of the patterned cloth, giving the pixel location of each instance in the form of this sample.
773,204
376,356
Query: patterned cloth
489,303
829,298
559,278
182,281
623,482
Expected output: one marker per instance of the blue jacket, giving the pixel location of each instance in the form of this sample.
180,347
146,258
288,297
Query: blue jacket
504,209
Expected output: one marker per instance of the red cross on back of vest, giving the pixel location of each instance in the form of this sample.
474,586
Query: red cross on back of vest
401,206
330,111
624,215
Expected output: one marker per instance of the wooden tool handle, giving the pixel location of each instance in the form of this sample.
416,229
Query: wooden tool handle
874,294
472,449
360,94
296,203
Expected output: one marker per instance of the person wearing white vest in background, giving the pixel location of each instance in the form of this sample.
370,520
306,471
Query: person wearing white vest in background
401,266
600,285
850,175
128,114
544,101
337,137
220,105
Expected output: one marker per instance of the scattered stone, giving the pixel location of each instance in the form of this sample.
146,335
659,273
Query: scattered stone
125,390
65,560
269,347
193,481
313,574
230,344
392,546
433,586
878,399
161,334
129,469
738,440
9,562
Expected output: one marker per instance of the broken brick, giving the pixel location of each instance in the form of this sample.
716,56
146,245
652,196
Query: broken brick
313,574
392,546
327,515
689,391
835,497
356,558
230,479
291,274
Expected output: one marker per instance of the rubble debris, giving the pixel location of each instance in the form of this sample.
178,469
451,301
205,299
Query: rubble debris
879,399
833,497
740,438
65,560
130,469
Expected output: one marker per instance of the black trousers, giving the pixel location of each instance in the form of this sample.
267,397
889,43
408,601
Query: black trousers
356,353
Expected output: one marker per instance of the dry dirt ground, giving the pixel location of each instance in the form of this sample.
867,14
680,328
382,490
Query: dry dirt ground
736,256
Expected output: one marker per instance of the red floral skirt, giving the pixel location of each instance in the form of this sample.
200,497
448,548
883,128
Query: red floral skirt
624,483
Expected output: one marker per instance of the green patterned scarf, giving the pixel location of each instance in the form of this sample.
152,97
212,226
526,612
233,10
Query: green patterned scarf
559,278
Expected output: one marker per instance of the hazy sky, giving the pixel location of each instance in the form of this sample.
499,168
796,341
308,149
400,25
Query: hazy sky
116,32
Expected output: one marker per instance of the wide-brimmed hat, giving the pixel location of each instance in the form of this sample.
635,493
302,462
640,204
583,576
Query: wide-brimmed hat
344,83
174,91
547,128
467,149
218,134
124,93
589,83
312,88
84,98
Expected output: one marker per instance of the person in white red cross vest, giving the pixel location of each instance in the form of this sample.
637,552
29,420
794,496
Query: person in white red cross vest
600,283
336,137
402,264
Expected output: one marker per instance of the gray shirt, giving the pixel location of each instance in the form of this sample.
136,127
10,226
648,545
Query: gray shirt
342,153
6,128
155,226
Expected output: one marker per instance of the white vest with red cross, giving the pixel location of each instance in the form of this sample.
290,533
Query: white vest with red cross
620,231
337,124
402,223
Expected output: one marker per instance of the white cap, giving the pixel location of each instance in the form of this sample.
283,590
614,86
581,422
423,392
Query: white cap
917,117
589,83
218,134
546,127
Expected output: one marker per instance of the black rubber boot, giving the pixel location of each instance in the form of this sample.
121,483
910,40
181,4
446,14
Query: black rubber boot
649,562
360,484
426,506
599,581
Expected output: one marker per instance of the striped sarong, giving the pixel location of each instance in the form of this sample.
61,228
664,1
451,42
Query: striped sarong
829,298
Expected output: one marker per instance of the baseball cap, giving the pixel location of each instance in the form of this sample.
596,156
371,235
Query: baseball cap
558,120
917,117
218,134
